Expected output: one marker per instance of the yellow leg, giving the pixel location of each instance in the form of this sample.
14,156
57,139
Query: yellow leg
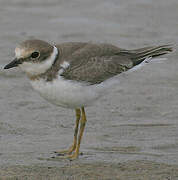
73,147
82,127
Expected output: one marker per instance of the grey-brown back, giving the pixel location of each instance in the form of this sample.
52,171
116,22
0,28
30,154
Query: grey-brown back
95,63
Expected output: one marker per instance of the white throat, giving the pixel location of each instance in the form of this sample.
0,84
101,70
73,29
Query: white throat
39,68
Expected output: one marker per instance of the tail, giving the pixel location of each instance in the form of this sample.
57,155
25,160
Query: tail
139,55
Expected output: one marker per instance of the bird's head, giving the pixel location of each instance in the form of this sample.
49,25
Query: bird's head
34,57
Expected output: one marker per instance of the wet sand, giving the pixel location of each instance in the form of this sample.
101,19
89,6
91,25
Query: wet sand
131,133
131,170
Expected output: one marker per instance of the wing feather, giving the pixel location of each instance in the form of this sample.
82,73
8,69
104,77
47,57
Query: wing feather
97,69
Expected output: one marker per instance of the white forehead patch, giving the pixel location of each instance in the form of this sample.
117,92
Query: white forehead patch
33,68
19,52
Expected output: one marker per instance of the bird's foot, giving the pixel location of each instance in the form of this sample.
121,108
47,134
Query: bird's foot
71,156
65,152
67,156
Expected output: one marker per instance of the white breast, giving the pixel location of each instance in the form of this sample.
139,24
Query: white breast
67,93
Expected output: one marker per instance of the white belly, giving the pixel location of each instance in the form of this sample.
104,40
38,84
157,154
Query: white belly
67,93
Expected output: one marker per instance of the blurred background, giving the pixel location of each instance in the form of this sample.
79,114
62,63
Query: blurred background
138,120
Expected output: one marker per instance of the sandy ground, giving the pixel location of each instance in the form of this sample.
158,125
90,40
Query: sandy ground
131,133
131,170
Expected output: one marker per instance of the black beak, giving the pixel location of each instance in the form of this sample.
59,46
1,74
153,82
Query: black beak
12,64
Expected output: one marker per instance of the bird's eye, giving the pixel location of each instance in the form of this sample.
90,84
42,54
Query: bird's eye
35,55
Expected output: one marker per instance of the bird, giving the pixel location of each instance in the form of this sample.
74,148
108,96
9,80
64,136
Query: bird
76,74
